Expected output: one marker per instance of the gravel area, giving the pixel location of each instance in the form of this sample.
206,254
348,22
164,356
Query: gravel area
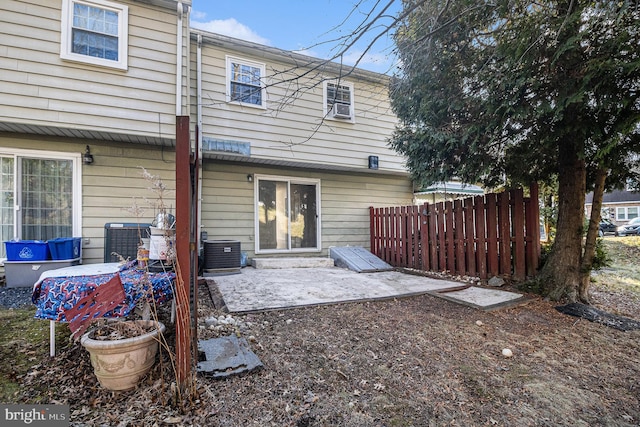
17,297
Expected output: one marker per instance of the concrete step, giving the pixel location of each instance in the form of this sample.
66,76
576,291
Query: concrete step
317,262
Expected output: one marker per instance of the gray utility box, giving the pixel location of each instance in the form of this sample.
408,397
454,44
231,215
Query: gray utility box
27,273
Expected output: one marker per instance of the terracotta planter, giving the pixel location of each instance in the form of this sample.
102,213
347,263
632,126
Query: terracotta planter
120,364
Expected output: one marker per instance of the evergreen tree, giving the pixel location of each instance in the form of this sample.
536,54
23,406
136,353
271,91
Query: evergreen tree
509,91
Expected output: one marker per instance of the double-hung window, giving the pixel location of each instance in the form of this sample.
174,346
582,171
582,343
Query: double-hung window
245,82
39,196
95,32
338,100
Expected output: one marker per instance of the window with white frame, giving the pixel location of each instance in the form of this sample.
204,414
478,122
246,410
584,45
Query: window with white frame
338,100
95,32
627,213
39,196
245,82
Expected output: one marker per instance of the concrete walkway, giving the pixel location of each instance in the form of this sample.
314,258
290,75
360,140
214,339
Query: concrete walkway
264,289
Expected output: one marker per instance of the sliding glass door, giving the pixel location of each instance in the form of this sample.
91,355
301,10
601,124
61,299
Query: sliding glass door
287,214
38,197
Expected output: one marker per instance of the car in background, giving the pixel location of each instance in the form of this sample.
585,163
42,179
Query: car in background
606,226
632,228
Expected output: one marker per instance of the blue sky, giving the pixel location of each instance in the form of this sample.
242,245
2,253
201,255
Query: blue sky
309,26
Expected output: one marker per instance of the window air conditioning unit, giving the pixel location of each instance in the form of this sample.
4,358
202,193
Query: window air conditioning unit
341,111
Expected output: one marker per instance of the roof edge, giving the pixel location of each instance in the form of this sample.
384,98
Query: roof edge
289,57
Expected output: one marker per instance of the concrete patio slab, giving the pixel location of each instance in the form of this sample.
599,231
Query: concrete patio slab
264,289
485,299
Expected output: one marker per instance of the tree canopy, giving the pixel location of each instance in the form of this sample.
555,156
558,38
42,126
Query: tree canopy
487,87
512,91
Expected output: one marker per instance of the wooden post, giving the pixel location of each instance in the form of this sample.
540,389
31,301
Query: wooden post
183,270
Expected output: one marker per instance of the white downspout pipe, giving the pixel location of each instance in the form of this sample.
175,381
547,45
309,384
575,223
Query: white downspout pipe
179,61
199,123
199,89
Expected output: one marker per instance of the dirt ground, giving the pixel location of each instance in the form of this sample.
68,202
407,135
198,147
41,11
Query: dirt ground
419,361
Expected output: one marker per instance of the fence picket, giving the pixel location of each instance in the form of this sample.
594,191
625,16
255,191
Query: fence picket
469,236
459,232
504,234
517,212
492,234
481,238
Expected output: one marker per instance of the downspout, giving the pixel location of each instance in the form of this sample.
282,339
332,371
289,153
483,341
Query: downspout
199,128
179,61
199,89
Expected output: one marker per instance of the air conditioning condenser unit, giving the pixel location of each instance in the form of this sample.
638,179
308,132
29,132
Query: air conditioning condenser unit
222,257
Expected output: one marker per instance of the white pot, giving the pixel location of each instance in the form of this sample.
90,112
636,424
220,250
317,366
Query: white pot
120,364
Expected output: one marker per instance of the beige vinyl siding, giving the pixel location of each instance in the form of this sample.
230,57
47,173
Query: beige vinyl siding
293,129
228,209
111,185
40,88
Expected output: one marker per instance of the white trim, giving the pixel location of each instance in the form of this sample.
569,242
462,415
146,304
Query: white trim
289,180
66,52
76,158
326,113
263,93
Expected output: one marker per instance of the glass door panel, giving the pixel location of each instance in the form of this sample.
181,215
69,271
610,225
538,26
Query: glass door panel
287,215
273,217
7,202
304,216
47,199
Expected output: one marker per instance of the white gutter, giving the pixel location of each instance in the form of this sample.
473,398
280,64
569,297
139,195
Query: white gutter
179,61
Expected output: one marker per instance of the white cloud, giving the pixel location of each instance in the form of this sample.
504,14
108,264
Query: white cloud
232,28
198,16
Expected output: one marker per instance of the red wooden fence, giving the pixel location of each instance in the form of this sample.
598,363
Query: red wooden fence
482,236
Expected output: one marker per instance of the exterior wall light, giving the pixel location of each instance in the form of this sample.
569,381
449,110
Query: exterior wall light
373,162
87,158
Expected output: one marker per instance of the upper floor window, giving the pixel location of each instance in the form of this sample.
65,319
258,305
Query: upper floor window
94,31
338,101
245,83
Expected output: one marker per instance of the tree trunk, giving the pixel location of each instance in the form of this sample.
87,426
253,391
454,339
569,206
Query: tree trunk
592,236
561,276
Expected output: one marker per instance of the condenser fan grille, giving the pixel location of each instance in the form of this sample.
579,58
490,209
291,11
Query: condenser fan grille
222,256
